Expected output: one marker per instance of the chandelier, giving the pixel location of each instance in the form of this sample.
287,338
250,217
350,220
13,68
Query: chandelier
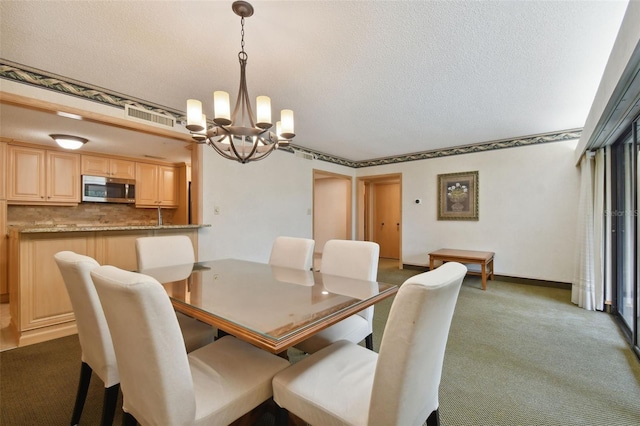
240,136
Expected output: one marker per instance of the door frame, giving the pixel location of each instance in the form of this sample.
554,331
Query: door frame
364,215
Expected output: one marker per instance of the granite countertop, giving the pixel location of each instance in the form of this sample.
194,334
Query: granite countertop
93,228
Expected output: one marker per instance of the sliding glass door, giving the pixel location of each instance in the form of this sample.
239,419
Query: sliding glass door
634,294
625,183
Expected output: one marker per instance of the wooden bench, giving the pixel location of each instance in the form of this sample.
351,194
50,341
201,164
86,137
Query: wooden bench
482,258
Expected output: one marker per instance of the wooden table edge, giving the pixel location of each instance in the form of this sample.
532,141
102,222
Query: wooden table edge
283,344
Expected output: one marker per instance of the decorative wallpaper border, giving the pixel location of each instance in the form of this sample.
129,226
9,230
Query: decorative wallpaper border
481,147
34,77
45,80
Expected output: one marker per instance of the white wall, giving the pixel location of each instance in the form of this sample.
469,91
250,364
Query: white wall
527,209
257,202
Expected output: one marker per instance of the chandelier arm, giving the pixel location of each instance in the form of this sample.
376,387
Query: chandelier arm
243,100
270,147
243,157
212,144
241,95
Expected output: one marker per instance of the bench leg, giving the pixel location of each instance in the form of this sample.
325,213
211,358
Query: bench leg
491,274
484,276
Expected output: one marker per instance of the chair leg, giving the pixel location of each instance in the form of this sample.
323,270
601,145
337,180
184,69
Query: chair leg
282,416
129,420
81,395
434,418
368,341
109,404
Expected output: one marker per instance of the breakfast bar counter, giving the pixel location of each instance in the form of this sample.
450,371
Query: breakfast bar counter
38,300
100,228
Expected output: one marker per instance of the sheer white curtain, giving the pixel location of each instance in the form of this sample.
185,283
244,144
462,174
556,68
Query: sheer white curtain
588,282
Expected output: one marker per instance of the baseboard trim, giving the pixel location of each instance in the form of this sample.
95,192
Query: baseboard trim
516,280
415,267
533,281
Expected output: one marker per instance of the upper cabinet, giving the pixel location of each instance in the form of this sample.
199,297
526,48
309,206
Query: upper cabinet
108,167
156,186
38,176
3,167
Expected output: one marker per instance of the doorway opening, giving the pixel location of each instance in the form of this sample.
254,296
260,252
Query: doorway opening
332,195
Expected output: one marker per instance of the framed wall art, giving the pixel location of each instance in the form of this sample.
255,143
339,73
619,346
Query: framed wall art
458,196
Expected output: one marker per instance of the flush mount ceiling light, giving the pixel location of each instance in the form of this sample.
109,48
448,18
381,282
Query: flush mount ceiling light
69,142
241,138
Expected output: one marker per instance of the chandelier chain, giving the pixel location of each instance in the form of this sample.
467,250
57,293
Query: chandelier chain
243,54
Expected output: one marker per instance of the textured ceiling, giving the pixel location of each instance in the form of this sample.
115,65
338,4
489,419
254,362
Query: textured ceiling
366,79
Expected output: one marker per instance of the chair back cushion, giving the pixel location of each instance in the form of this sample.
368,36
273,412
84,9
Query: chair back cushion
168,250
93,332
407,378
292,252
155,377
351,259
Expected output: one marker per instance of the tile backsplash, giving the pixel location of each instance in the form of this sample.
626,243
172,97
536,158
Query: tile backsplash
86,214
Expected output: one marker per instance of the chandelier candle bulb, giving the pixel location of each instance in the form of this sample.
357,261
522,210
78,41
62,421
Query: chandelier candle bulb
201,135
194,112
221,108
286,118
263,112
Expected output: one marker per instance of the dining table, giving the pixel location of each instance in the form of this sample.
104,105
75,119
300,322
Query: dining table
268,306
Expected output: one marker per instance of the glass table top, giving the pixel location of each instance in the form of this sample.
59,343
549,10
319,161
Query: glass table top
274,302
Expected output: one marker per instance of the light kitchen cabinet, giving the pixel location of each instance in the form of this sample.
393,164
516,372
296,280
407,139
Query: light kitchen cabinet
156,186
37,176
38,299
4,288
108,167
3,167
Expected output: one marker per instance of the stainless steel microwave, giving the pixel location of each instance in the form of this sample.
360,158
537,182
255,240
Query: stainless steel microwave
98,189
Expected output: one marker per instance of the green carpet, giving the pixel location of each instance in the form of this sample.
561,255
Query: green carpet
517,355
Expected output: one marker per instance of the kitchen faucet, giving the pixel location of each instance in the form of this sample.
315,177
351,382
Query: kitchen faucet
159,216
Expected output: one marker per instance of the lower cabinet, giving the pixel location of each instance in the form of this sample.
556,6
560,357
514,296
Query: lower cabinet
39,302
4,241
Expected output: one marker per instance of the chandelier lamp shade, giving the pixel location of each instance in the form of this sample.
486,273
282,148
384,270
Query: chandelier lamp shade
240,135
68,141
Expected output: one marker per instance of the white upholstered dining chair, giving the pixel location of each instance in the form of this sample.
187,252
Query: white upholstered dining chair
93,333
292,252
165,250
398,386
174,250
161,383
351,259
